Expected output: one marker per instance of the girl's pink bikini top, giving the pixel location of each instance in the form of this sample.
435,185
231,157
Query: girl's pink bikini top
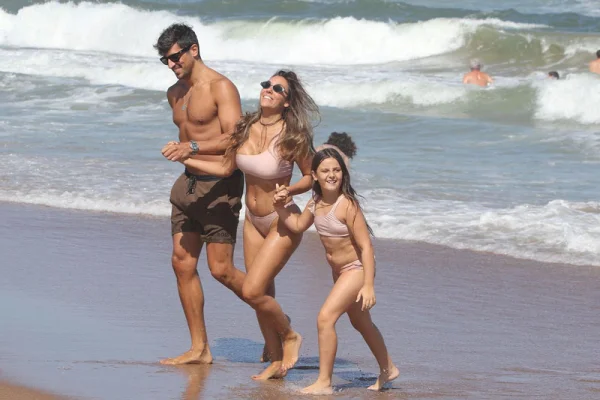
266,165
328,224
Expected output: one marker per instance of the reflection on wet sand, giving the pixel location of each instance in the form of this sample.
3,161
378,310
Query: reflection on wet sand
196,375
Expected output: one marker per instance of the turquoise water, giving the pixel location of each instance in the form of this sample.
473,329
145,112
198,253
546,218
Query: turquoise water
511,169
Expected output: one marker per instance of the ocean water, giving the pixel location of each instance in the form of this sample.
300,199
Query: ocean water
511,169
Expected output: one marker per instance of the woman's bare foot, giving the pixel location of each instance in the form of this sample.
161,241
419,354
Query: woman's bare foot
273,371
318,388
266,357
190,357
385,376
291,350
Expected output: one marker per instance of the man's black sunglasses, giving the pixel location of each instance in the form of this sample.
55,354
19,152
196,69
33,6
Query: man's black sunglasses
277,88
175,56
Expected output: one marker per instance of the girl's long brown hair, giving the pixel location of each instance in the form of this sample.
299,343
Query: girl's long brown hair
296,141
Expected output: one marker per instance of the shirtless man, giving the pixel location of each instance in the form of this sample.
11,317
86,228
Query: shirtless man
595,65
476,77
205,209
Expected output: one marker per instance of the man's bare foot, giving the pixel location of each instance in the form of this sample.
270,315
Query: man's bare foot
266,357
318,388
291,350
385,376
190,357
273,371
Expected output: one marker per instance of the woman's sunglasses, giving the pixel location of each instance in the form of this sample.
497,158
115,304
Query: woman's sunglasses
175,56
277,88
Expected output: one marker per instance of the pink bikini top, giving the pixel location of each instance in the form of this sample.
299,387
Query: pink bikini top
328,224
265,165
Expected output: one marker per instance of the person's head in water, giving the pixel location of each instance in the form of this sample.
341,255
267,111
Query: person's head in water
344,142
179,49
553,75
475,64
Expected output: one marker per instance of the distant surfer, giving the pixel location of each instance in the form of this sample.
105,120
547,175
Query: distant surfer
476,77
553,75
595,65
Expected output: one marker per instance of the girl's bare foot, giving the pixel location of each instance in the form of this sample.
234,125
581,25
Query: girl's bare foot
291,350
273,371
191,357
385,376
318,388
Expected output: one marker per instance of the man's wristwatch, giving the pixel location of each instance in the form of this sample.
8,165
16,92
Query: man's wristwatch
194,147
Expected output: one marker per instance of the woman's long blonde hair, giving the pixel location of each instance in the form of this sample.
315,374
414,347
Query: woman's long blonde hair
296,142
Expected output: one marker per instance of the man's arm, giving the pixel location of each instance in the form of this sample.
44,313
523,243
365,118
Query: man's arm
171,95
229,108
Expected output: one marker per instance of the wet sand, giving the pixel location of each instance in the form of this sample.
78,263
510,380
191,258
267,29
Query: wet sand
10,391
88,305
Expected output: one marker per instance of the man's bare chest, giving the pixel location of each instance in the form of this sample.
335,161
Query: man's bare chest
196,110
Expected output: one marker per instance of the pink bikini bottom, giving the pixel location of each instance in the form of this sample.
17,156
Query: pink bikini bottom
356,264
263,223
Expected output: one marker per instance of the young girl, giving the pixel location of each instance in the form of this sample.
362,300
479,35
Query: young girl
345,234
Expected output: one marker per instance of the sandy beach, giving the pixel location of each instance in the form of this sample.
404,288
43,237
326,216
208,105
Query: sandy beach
89,305
16,392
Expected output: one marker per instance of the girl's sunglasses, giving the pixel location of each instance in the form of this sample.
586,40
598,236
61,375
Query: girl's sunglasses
277,88
175,56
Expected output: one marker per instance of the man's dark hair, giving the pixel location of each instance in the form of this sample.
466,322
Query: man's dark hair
344,142
554,74
598,54
181,34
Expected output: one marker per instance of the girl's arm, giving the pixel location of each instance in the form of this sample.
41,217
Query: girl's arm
296,223
225,168
357,226
304,184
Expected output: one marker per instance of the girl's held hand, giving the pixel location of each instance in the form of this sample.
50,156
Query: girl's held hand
281,194
367,293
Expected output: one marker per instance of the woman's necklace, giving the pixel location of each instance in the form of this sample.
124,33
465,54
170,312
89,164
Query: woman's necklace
270,123
263,136
263,132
